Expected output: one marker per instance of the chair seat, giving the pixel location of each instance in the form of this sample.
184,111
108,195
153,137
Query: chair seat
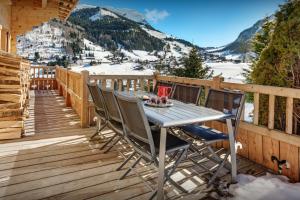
206,133
173,143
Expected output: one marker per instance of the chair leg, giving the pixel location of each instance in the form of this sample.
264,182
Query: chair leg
126,161
113,144
170,172
98,131
109,141
221,165
130,168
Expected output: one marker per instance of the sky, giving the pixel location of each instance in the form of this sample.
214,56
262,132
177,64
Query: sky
207,23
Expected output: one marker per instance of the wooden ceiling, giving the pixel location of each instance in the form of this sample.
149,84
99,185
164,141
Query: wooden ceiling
65,7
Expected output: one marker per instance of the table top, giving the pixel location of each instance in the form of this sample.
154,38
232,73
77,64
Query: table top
179,114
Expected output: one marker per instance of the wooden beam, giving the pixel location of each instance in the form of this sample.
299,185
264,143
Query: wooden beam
6,2
44,3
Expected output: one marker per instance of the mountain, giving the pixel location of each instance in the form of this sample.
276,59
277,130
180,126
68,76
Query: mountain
102,35
112,35
239,49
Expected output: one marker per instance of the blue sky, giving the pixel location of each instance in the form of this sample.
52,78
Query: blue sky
202,22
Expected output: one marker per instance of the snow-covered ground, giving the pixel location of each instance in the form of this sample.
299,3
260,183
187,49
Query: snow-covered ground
268,187
117,69
230,71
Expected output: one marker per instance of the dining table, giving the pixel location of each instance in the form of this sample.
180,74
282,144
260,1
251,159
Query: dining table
179,114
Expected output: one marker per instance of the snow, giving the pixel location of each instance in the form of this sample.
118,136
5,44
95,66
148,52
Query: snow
83,6
129,14
102,12
154,33
114,69
45,39
268,187
232,72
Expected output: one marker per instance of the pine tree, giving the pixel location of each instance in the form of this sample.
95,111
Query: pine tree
279,60
193,67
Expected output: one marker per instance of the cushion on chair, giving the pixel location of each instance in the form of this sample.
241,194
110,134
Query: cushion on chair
172,143
204,132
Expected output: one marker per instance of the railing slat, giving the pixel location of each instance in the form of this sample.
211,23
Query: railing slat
271,112
289,115
142,84
134,84
128,84
120,84
256,108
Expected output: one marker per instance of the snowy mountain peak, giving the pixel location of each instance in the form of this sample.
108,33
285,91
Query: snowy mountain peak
103,12
83,6
129,14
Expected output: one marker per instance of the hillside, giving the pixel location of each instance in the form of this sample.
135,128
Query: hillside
239,49
111,35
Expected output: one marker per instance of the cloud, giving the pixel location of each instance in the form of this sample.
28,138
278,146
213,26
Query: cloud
156,15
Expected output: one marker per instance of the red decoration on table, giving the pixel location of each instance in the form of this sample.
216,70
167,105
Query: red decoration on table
164,91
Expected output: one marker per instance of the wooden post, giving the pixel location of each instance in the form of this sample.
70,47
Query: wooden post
155,75
0,37
128,84
148,85
120,84
256,108
84,115
142,84
67,97
103,83
271,112
134,84
8,42
217,80
289,115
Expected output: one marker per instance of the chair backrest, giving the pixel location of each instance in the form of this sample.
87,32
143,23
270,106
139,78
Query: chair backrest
162,83
134,120
228,102
97,97
110,104
187,93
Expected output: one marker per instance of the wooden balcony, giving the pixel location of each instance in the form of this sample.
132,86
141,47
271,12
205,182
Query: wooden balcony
56,160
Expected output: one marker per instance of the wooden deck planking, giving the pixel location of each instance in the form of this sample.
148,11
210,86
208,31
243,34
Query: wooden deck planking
56,160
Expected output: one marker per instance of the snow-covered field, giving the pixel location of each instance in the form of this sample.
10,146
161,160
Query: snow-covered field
230,71
114,69
268,187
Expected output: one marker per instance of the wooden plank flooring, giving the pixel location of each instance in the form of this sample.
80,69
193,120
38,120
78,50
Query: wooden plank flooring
56,160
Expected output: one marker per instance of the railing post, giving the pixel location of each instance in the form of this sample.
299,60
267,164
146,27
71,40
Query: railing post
289,115
84,115
217,80
0,36
68,97
155,75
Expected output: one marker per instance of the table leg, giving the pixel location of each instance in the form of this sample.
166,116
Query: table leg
161,167
232,151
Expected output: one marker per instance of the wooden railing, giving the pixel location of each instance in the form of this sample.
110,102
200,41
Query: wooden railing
257,142
43,78
72,86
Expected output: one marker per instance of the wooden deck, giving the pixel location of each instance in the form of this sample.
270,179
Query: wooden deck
56,160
